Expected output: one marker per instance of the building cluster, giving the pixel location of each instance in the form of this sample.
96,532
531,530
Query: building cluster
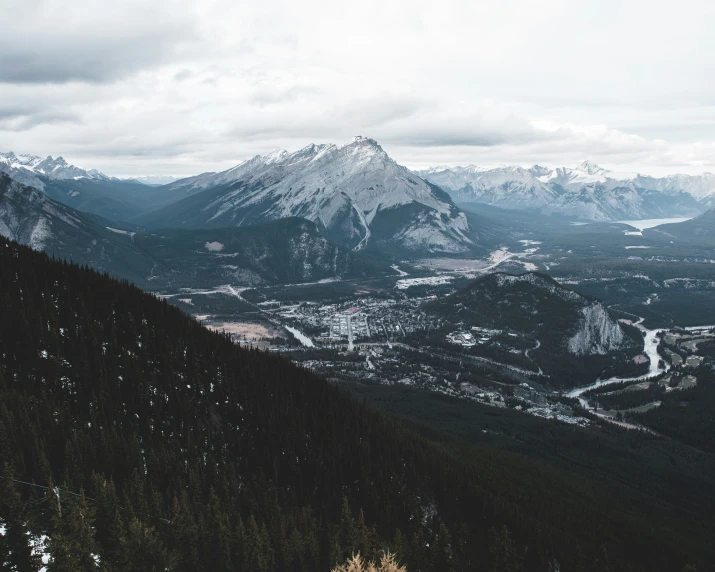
470,339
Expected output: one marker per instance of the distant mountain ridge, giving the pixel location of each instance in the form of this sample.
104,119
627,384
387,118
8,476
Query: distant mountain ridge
356,194
28,168
285,251
88,190
30,217
587,192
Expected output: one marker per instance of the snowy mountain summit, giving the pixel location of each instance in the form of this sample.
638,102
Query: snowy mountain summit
587,192
354,192
29,169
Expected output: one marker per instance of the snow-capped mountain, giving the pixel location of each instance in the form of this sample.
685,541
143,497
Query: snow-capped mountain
28,169
355,193
508,187
587,192
702,187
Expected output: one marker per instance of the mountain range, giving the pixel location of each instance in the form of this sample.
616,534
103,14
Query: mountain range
356,194
31,167
284,251
587,192
361,199
86,190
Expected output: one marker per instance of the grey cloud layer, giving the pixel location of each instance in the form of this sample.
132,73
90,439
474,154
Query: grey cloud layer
58,42
181,86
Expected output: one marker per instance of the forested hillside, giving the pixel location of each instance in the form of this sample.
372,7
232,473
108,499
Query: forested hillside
135,439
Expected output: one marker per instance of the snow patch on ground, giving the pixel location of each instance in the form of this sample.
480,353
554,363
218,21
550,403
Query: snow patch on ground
429,280
652,222
118,231
301,337
40,234
213,246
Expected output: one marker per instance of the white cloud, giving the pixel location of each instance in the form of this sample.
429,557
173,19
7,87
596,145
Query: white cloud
181,86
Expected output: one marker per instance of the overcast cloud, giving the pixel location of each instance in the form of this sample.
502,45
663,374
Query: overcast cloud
185,86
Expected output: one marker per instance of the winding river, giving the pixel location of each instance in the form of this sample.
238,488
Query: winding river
650,343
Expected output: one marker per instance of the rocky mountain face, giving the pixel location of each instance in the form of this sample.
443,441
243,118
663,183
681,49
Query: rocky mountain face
356,194
30,217
587,192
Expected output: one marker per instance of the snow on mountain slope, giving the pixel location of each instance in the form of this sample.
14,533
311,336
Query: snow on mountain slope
355,192
509,187
702,187
28,168
587,192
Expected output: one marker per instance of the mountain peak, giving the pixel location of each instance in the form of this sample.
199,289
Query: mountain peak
361,140
590,168
539,171
348,189
23,166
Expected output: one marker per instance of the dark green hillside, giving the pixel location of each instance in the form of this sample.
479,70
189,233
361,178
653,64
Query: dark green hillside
288,250
699,230
193,454
571,335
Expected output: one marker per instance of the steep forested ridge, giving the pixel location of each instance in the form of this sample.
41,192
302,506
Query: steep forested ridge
177,450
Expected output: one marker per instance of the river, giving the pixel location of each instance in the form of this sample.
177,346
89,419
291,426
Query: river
650,348
301,337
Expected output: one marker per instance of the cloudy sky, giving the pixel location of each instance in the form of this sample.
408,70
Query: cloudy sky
185,86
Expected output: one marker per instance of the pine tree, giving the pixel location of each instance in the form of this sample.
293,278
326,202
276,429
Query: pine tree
443,558
108,521
503,551
184,534
16,551
72,546
141,549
